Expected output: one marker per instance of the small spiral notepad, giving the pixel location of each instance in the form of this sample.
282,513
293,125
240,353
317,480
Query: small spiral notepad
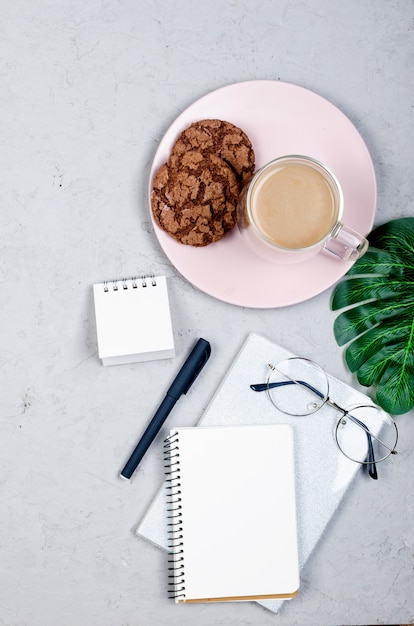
133,320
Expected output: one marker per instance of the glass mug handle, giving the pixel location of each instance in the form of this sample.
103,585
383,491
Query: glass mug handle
346,243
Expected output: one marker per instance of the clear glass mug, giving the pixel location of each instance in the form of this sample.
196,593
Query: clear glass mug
292,209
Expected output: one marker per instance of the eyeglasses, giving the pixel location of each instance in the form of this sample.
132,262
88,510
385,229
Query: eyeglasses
364,434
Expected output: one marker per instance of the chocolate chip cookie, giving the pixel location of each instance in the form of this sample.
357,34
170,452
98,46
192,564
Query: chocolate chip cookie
194,197
223,139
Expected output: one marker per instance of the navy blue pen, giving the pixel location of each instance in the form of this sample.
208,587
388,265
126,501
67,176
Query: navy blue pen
193,365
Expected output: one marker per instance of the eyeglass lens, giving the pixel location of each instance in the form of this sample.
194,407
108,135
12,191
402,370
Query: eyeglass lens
352,430
297,386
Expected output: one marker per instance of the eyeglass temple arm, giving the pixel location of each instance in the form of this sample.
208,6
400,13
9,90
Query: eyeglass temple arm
371,465
283,383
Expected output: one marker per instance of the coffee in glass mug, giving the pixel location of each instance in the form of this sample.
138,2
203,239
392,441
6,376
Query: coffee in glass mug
292,209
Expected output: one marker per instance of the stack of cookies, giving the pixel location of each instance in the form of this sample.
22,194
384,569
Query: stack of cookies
195,194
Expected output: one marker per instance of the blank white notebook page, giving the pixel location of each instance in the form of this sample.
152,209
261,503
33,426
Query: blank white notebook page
238,513
133,320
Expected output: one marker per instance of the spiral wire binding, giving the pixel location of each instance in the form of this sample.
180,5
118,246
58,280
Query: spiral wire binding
175,518
127,283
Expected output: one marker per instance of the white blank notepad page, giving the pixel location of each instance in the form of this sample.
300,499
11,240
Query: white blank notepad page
238,512
133,320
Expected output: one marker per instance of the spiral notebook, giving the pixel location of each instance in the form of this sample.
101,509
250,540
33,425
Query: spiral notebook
232,513
133,320
323,474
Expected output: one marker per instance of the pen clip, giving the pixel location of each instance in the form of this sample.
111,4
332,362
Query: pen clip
204,356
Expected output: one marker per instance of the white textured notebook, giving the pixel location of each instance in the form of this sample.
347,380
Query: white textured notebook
232,513
133,320
323,474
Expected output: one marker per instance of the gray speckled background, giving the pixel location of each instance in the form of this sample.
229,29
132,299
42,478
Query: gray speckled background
87,92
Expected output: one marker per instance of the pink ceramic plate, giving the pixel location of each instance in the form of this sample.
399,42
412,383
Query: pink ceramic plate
280,119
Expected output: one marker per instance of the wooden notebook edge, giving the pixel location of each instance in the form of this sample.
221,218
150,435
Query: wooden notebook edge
272,596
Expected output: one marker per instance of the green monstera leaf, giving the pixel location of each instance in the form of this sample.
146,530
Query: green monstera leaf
378,321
